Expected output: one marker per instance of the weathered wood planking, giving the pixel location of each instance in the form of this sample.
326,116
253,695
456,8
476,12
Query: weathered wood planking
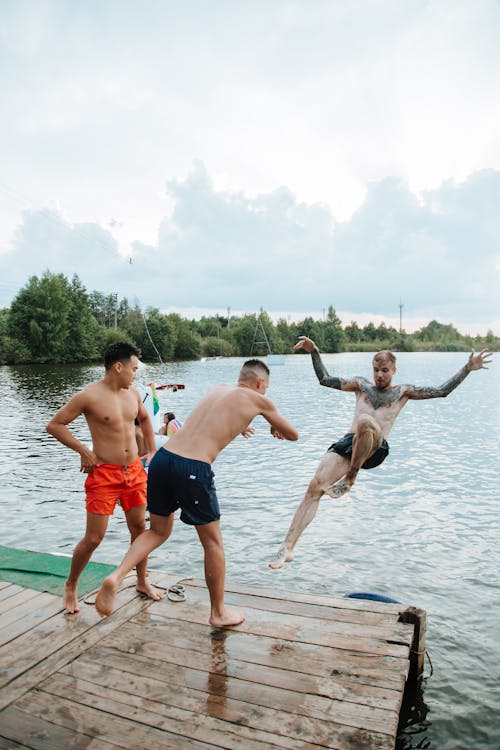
301,672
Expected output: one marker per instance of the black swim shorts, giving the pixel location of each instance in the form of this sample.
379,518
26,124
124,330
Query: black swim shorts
344,448
178,482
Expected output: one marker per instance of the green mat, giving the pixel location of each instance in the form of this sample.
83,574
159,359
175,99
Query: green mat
44,572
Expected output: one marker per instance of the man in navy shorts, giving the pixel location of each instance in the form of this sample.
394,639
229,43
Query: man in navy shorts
180,476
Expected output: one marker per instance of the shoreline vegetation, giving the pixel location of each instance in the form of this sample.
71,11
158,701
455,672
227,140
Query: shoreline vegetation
53,320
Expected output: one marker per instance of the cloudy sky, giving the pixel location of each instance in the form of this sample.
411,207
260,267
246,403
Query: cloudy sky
283,154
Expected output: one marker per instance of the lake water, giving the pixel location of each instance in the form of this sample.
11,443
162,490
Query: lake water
422,528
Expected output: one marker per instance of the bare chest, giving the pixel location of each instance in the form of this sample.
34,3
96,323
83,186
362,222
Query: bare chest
383,405
113,412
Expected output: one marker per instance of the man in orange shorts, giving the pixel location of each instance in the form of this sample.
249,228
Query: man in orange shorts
114,468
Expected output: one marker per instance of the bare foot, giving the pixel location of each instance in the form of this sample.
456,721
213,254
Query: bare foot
228,618
150,591
339,488
105,599
282,556
70,599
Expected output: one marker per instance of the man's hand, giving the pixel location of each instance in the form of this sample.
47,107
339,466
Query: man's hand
88,461
305,343
479,361
148,457
276,434
248,432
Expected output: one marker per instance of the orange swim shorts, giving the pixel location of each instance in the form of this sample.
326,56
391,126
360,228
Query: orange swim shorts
109,484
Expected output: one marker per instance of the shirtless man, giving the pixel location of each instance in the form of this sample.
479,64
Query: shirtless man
365,445
114,469
182,476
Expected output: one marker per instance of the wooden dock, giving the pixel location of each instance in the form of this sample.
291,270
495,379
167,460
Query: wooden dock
301,672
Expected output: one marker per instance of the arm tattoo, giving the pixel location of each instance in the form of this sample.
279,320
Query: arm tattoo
440,391
322,373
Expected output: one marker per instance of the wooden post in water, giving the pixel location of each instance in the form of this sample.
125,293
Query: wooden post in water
416,617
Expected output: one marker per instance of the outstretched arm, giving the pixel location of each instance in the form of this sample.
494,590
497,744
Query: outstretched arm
475,362
330,381
281,428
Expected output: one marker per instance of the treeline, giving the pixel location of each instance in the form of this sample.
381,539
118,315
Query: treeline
53,319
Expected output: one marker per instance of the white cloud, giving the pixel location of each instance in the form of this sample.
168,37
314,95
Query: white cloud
220,249
104,102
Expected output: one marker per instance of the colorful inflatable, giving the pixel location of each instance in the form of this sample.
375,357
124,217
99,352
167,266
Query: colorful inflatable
150,400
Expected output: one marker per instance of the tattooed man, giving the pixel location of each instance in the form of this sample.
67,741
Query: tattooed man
365,445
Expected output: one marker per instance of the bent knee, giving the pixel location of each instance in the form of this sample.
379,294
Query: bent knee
317,485
368,424
160,537
136,529
92,541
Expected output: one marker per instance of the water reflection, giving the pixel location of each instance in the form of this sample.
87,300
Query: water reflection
422,528
413,724
217,677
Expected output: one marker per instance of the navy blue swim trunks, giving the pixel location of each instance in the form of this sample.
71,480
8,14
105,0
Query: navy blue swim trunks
344,448
178,482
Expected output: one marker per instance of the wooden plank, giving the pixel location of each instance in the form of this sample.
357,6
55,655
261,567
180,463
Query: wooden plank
309,609
365,605
339,687
24,662
390,629
22,610
43,734
8,744
283,698
17,599
303,629
187,724
188,644
4,584
24,618
341,609
155,711
10,590
131,732
272,651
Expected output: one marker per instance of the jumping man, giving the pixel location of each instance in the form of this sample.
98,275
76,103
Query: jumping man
365,445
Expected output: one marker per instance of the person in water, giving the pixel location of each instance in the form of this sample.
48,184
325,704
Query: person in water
170,424
114,469
365,445
180,475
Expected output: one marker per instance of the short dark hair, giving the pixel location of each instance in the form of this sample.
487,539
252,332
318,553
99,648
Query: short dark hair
254,364
121,351
170,415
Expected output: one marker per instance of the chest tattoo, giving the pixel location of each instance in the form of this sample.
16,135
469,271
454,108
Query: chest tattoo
379,398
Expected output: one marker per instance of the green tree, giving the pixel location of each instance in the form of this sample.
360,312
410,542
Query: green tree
243,331
333,333
159,336
39,317
312,329
188,342
83,339
353,332
214,347
369,332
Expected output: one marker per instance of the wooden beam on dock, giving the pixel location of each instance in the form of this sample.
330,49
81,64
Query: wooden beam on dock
301,672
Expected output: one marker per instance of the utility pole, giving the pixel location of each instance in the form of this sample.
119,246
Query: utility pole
228,317
400,315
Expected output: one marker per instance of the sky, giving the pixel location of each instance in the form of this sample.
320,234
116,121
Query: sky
279,154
